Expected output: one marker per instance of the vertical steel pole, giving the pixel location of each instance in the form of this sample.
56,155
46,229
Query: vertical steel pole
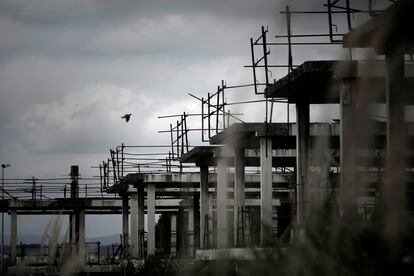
253,66
202,120
223,104
218,109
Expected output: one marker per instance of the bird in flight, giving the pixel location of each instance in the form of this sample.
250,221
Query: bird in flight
127,117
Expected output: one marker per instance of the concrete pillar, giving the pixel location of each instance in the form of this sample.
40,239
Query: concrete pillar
265,191
302,159
204,205
190,221
348,149
196,221
174,249
221,190
74,217
141,220
74,186
125,223
180,232
211,223
151,219
81,236
73,231
134,225
325,167
137,222
239,196
394,191
163,235
13,236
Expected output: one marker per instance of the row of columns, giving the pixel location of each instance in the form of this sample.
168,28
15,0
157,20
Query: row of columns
76,224
352,105
198,222
222,206
135,230
348,156
76,239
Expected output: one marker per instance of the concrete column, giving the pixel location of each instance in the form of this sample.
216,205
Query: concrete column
211,223
179,232
174,249
137,222
141,220
221,190
302,159
151,219
73,231
125,223
74,217
196,220
81,236
265,191
167,235
325,167
239,196
348,149
204,204
74,186
13,236
134,226
190,222
394,191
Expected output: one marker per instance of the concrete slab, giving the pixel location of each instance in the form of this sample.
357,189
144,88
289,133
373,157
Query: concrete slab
390,29
319,82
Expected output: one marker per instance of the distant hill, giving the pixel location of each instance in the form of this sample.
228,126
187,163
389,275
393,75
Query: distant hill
30,239
106,240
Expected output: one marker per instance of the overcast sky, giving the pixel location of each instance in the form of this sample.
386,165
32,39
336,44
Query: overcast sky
70,69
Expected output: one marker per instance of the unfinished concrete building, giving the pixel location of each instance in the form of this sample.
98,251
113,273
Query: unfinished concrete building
357,166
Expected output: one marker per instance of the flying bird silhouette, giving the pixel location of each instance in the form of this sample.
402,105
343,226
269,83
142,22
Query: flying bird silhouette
127,117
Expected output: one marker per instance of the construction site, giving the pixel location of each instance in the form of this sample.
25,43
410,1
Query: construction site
228,196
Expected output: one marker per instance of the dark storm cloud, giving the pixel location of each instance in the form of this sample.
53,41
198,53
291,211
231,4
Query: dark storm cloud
88,29
78,12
